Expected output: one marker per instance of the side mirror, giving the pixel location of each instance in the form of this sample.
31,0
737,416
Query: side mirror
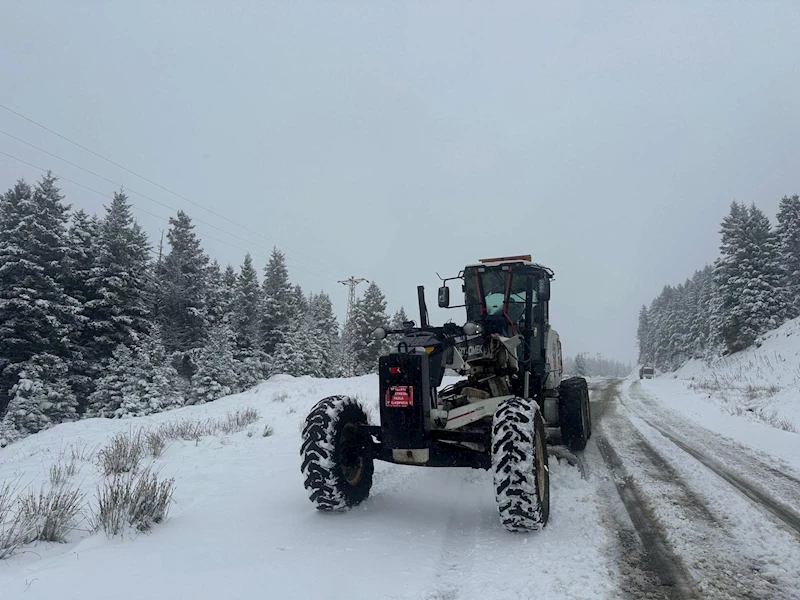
444,297
543,291
378,333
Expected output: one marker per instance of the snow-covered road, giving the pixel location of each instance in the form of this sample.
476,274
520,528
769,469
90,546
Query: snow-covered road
711,517
669,510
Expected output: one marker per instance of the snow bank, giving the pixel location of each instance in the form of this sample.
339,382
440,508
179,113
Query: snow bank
760,383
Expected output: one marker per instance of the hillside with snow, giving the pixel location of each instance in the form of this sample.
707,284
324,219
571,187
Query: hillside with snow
760,383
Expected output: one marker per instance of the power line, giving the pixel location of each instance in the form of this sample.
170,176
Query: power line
146,197
138,208
158,185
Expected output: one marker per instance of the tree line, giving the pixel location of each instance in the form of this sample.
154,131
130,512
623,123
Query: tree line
585,365
752,287
95,322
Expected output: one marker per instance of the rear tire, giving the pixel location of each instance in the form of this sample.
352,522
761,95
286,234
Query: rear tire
574,413
336,465
519,465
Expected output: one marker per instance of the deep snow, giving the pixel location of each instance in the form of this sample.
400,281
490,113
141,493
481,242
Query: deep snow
242,526
760,383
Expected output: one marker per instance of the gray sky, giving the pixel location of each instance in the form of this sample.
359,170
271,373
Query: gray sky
391,140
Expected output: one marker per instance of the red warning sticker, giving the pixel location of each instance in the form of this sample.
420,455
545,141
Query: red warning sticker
399,396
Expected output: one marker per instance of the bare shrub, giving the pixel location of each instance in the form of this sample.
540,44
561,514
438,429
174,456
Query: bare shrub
268,430
187,430
50,515
82,452
122,454
60,473
135,500
14,532
282,397
239,420
155,441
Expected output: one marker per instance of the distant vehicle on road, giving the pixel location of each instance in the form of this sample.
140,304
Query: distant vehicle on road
646,372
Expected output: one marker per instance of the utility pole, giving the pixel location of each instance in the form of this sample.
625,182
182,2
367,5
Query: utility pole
347,330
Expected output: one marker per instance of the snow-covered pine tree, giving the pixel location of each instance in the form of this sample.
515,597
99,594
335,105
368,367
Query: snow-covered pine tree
247,307
112,386
81,262
788,233
118,309
326,329
245,319
228,291
151,385
214,296
216,368
729,278
642,334
279,299
40,399
763,295
37,318
747,277
699,342
397,321
368,313
302,352
183,288
580,365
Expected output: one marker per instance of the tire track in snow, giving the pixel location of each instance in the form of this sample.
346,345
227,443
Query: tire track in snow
715,546
458,547
762,499
649,568
790,487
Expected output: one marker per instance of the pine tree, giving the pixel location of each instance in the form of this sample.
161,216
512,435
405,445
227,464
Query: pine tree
82,256
788,234
37,318
729,278
747,277
117,311
580,365
368,314
247,307
183,288
151,385
642,334
326,330
398,319
216,368
114,384
214,297
40,399
279,302
228,291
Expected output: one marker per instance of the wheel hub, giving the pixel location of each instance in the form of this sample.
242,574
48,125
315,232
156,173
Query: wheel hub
350,459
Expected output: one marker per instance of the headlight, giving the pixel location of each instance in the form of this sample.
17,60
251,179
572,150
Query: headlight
471,328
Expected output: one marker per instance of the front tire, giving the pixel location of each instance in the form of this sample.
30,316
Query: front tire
519,465
337,466
574,413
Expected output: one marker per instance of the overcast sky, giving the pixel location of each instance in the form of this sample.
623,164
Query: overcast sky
392,140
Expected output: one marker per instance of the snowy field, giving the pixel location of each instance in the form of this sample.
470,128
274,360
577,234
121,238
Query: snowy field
761,383
242,526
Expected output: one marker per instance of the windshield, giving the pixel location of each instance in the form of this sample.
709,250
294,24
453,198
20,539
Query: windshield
492,294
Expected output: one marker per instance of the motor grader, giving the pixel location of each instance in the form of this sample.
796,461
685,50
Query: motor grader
508,405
